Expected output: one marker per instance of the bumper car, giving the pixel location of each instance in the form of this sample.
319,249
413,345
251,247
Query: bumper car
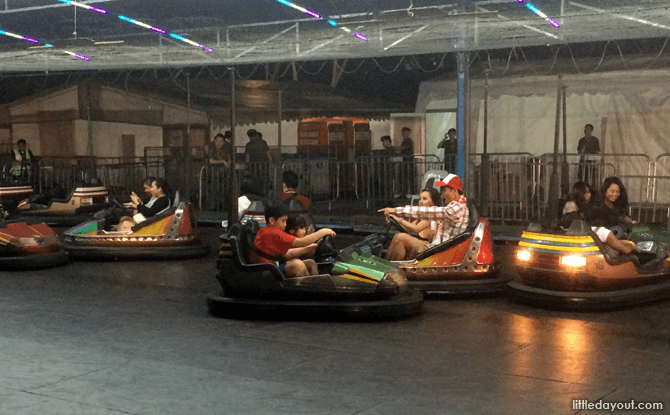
168,235
24,246
12,193
574,270
78,206
461,266
353,286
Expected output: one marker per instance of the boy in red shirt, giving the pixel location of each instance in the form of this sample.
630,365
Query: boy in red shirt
272,240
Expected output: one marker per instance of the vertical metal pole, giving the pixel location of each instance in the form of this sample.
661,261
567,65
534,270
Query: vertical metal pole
552,209
462,67
278,164
187,159
232,177
228,42
486,167
297,39
565,172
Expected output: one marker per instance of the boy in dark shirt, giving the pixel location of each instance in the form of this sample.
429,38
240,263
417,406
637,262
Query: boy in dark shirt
272,240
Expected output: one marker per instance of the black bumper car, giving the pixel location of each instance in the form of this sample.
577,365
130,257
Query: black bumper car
356,286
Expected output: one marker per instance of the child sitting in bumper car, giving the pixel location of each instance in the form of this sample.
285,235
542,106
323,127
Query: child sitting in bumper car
272,242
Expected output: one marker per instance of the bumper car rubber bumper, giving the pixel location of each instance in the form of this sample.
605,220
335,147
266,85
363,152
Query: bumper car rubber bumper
406,304
588,301
129,252
47,260
461,288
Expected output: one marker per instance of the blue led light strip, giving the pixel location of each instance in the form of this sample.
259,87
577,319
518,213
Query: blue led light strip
138,23
319,17
35,41
539,13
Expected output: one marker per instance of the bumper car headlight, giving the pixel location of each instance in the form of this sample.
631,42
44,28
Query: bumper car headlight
523,255
573,260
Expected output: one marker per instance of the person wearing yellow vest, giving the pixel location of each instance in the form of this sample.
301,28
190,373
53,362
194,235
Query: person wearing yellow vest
23,159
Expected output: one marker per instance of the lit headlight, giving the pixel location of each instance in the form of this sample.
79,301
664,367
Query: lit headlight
573,260
523,255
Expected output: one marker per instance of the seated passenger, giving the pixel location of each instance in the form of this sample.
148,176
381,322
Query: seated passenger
251,190
272,240
158,203
610,211
405,246
296,226
147,189
161,203
290,184
453,216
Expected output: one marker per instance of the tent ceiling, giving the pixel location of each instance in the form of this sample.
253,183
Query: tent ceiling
252,31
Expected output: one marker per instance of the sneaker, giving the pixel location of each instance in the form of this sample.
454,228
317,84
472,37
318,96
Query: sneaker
397,196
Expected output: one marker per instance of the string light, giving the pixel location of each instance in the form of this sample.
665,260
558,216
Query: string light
77,55
14,35
85,6
190,42
542,15
47,45
146,26
318,16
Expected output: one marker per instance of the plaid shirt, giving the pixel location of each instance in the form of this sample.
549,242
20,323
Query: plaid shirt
451,219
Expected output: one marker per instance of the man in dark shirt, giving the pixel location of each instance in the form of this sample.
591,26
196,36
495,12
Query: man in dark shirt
257,155
450,146
161,203
587,145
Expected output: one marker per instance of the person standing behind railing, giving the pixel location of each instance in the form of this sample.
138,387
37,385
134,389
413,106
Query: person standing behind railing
22,162
257,155
220,150
587,145
450,146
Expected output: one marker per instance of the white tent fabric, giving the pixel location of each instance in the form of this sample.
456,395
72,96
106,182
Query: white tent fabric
630,112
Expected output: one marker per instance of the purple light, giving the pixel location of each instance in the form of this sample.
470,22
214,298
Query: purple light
554,23
313,14
30,39
77,55
520,1
361,37
98,10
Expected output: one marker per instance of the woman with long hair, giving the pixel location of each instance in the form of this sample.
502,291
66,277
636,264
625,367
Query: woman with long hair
405,246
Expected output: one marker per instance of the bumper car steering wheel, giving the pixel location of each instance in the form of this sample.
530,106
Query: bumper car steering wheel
326,250
622,230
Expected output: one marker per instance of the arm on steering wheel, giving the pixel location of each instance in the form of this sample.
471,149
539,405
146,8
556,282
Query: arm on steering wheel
411,226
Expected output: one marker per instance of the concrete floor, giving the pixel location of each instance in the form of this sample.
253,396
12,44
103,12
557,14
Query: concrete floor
135,338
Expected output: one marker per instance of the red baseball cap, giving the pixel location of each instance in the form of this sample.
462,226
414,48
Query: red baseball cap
452,181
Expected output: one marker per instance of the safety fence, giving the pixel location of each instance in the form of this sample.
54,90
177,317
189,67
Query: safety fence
508,187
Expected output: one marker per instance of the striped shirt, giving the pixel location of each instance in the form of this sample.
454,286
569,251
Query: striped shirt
451,219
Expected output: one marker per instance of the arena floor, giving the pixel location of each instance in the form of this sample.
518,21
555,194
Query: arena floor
136,338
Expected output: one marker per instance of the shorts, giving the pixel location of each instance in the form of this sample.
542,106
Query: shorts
602,233
282,266
417,247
